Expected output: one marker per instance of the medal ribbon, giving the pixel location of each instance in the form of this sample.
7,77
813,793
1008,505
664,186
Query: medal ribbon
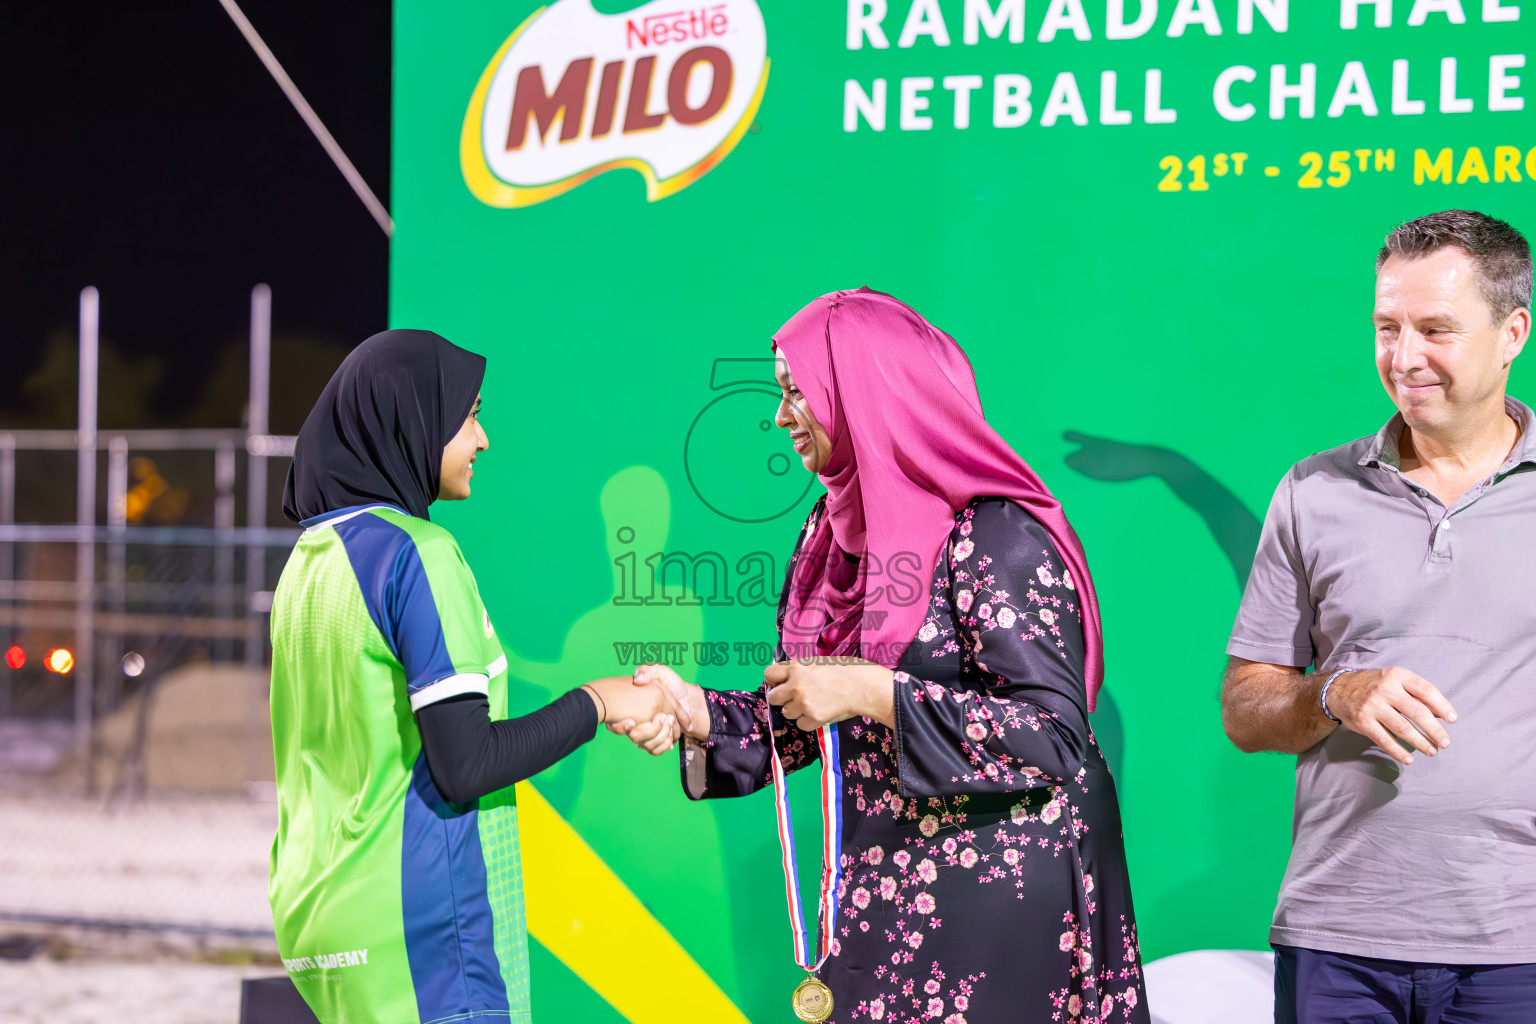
831,846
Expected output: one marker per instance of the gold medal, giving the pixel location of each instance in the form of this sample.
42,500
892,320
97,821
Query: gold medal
812,1000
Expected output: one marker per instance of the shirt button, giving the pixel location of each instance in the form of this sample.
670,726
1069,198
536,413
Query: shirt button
1446,524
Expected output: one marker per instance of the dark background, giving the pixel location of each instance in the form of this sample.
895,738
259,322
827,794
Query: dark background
149,153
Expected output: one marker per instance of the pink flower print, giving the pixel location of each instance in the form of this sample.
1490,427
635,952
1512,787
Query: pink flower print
863,764
932,988
935,1007
962,1003
928,632
836,947
887,888
935,690
914,939
1047,616
976,731
1018,813
955,1018
964,599
964,548
1045,575
897,803
1075,1005
860,803
1066,579
1087,882
1128,997
927,870
1050,812
861,898
968,858
965,528
901,857
950,845
877,1009
985,611
1006,617
1065,942
928,826
1010,856
1084,959
875,855
1107,1007
924,903
990,769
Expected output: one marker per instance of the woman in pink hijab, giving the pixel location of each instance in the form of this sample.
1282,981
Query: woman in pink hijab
939,606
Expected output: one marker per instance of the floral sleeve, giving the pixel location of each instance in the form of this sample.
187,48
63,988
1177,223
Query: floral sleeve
1012,613
734,760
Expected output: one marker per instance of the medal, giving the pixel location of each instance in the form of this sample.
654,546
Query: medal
812,1000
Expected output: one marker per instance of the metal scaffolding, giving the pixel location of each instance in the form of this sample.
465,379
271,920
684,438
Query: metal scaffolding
229,608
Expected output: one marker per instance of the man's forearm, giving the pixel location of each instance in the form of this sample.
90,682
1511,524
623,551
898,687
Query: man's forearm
1267,707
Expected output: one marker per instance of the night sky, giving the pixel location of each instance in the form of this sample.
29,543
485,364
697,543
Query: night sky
148,152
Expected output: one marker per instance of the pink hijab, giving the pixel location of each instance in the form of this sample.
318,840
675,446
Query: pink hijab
910,449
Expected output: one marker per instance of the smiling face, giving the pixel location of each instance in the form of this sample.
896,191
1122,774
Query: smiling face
459,457
809,438
1441,357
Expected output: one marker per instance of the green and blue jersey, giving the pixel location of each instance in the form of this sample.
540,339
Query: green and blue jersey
391,905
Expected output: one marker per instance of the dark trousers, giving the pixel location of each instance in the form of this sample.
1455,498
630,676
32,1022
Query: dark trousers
1314,987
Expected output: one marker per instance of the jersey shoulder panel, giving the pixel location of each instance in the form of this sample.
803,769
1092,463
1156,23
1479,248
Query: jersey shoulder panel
428,604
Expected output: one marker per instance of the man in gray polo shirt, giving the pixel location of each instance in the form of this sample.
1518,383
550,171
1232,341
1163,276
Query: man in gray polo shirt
1403,568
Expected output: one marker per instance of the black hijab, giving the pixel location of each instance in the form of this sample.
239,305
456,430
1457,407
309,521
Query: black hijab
377,433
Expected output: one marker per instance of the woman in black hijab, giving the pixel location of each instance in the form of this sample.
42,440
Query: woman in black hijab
393,750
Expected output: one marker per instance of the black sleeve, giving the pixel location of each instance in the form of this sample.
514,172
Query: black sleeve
471,756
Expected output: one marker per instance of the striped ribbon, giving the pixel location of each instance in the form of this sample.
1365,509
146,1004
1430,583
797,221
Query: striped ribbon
831,846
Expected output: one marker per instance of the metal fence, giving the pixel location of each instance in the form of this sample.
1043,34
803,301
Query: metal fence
135,754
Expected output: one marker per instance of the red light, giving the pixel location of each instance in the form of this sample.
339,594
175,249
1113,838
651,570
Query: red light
59,660
15,657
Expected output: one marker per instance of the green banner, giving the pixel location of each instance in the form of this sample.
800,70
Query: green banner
1150,225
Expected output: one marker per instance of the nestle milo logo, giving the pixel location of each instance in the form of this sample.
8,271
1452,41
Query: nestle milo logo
664,90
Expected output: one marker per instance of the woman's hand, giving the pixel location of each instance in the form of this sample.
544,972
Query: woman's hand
655,737
690,712
813,692
619,701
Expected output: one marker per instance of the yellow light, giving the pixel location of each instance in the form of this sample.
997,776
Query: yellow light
59,660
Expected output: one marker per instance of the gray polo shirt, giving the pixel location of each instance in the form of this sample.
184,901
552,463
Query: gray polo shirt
1359,567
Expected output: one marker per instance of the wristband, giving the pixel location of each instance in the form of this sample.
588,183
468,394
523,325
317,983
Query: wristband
604,716
1322,697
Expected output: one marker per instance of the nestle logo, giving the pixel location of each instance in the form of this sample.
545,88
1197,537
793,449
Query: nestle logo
574,93
677,27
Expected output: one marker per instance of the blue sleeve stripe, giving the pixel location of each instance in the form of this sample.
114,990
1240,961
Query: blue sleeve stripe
399,598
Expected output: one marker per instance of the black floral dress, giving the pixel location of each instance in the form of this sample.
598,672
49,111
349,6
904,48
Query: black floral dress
983,869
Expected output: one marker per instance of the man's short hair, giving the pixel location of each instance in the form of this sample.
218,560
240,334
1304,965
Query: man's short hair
1501,258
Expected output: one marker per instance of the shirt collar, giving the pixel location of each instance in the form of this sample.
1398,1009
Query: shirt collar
1383,452
335,516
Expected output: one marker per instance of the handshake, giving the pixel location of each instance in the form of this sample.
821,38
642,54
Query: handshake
654,707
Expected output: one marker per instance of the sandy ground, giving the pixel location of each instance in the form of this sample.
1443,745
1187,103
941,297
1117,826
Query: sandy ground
184,861
46,991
